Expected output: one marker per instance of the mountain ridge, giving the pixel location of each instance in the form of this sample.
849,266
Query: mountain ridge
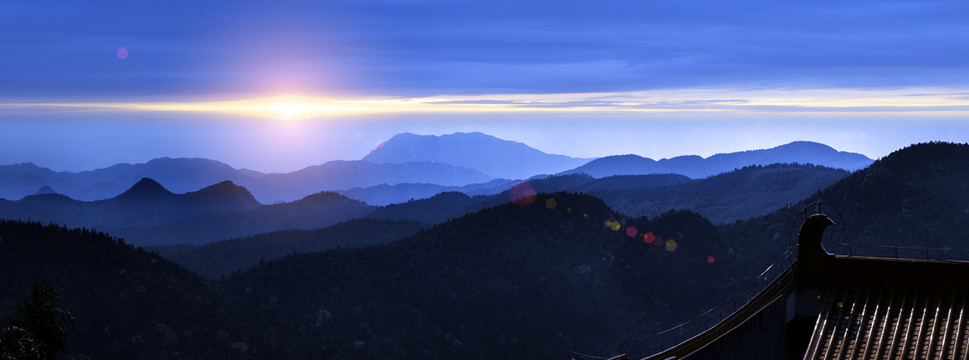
146,203
503,158
696,167
181,175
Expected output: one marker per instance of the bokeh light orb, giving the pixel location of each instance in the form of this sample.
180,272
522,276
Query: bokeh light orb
522,194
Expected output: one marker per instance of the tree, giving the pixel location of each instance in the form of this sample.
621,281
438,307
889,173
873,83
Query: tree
39,328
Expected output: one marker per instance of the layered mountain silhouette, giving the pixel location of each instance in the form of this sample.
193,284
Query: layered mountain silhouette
149,214
179,175
488,154
524,267
19,180
146,203
186,175
519,280
405,167
312,212
737,195
803,152
335,175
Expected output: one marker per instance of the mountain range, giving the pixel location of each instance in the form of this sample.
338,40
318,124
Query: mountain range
406,166
803,152
529,279
146,203
149,214
186,175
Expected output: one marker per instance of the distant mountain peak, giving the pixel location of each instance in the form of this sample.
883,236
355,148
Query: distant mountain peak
145,189
325,197
806,142
807,146
224,187
225,192
627,156
475,150
46,189
224,184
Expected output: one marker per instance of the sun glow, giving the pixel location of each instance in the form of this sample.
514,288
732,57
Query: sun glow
295,108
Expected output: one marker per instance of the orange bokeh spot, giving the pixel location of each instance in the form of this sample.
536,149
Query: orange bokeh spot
551,203
522,194
671,245
614,225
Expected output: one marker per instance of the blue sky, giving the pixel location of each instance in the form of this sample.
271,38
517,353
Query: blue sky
276,86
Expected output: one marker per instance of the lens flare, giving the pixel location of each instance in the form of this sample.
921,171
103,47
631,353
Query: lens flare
522,194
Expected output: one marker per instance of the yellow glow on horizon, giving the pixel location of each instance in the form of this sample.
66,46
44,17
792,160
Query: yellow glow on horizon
784,101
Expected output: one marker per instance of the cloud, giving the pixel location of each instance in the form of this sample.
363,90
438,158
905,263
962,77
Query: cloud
747,101
428,48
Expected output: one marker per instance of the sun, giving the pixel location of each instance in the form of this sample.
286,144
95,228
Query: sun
293,110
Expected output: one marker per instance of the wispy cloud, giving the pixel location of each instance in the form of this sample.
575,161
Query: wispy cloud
432,48
776,101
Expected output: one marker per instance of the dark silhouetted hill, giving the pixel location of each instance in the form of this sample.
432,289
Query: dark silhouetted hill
506,282
222,258
801,152
916,196
146,190
127,303
488,154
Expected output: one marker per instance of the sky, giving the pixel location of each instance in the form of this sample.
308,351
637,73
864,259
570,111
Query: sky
277,86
